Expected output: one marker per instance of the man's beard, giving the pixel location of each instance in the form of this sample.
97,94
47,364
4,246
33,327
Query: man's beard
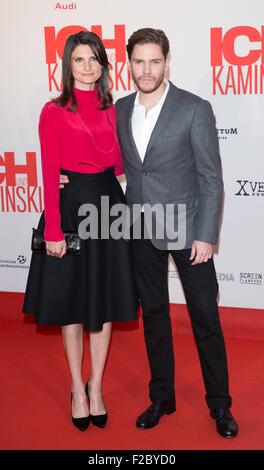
156,84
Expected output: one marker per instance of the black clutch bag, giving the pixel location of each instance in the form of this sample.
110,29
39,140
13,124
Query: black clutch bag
72,239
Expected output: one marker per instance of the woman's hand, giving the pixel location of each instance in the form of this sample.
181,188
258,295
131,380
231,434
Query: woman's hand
63,180
57,249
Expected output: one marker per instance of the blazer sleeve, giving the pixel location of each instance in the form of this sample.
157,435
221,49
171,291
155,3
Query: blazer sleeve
205,146
51,155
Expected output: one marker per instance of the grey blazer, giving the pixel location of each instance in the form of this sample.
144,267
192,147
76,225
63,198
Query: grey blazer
182,166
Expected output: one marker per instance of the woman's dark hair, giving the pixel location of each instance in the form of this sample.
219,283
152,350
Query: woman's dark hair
148,36
67,96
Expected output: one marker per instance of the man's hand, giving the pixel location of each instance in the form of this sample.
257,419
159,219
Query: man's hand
63,180
201,252
57,249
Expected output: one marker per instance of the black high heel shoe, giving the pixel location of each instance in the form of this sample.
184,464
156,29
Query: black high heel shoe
97,420
81,423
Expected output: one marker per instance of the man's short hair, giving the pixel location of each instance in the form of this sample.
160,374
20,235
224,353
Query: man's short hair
148,36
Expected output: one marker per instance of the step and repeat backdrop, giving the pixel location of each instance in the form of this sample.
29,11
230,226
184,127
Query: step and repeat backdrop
217,52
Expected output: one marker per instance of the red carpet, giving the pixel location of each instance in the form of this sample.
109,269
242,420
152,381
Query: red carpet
35,397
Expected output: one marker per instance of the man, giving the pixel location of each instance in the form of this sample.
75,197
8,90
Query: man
171,155
170,147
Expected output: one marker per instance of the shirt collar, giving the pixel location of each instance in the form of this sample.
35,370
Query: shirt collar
159,103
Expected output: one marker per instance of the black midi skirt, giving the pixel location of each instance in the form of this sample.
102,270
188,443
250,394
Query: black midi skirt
96,286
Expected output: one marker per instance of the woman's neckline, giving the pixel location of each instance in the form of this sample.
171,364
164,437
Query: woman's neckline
86,95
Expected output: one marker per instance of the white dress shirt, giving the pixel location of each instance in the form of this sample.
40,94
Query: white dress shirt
142,124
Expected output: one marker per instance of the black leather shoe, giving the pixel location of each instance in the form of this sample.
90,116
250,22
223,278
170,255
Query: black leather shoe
153,413
81,423
226,426
97,420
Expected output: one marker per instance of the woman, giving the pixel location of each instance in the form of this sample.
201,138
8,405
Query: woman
78,138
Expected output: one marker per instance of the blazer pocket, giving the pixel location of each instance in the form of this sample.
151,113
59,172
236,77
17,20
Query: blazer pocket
190,202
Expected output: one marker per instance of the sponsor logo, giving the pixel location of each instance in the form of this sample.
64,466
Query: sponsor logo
222,277
65,6
225,277
116,49
225,133
251,278
19,188
18,263
237,60
173,273
250,188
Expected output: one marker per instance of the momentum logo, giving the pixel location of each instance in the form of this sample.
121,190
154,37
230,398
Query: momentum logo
224,133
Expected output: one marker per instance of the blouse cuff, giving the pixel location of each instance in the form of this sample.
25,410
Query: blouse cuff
53,235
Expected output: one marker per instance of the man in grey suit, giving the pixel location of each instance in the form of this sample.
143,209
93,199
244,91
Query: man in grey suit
171,156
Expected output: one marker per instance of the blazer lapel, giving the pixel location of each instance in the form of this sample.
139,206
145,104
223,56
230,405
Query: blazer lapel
128,124
166,113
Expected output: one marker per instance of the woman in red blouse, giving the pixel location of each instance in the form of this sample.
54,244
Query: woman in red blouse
78,138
